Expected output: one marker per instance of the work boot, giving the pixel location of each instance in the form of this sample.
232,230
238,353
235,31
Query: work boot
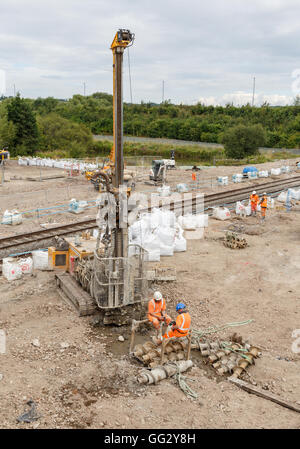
156,340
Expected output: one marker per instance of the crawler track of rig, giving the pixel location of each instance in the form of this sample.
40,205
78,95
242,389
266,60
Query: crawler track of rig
227,197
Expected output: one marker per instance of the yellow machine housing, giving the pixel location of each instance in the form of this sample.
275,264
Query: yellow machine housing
79,248
58,259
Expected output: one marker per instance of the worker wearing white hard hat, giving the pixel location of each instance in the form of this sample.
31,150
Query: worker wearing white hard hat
157,310
254,199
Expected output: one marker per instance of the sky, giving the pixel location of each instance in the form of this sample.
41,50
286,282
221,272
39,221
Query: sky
203,51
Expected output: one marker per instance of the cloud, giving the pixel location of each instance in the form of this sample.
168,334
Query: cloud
243,98
203,50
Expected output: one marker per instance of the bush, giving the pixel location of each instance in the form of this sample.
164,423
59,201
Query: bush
242,141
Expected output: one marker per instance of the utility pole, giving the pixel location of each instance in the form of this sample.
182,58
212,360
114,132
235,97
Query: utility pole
84,89
14,90
253,91
163,91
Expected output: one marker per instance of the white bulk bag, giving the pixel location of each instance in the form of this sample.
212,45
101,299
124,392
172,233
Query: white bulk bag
275,171
40,260
188,221
221,213
252,174
166,250
295,194
248,210
237,177
152,255
282,197
263,174
164,191
180,241
149,241
26,265
223,180
165,236
239,207
201,220
182,188
11,270
12,218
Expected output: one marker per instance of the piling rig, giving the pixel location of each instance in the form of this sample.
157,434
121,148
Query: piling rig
116,283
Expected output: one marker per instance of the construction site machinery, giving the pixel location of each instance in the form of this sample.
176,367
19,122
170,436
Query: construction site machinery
158,171
4,155
116,284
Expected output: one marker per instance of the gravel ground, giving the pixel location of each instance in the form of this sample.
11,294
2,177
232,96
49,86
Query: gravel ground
80,375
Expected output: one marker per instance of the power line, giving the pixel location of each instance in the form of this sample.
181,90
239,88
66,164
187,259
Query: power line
129,75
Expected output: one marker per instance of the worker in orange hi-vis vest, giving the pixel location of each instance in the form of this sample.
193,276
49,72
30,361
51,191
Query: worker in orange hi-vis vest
194,176
254,199
181,327
157,311
263,204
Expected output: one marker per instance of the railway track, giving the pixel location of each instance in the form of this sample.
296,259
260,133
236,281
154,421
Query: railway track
227,197
43,234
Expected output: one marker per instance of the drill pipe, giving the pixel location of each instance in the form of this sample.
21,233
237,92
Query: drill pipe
160,373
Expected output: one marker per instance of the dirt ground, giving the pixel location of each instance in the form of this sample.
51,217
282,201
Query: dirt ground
80,375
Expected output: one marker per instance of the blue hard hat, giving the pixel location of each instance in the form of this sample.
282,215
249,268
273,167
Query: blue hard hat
180,306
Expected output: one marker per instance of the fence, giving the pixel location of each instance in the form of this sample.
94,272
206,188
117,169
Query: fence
39,198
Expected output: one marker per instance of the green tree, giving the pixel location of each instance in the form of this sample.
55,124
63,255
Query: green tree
20,113
58,133
242,141
7,134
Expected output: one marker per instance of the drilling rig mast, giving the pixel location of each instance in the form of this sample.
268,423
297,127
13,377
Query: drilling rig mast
115,281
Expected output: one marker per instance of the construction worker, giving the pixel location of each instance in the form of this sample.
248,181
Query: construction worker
157,311
263,204
254,199
182,325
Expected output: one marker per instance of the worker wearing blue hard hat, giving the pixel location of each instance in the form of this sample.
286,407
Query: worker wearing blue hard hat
181,326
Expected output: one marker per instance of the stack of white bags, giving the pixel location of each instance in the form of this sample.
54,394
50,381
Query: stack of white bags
294,195
161,234
64,164
14,268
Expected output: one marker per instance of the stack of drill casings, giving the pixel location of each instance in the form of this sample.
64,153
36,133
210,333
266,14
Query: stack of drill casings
150,354
232,240
229,357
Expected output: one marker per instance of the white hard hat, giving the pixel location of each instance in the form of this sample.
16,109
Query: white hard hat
264,193
157,296
253,193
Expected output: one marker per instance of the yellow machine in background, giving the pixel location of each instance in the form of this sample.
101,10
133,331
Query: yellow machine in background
4,155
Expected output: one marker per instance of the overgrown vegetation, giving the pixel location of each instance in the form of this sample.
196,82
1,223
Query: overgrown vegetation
65,127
